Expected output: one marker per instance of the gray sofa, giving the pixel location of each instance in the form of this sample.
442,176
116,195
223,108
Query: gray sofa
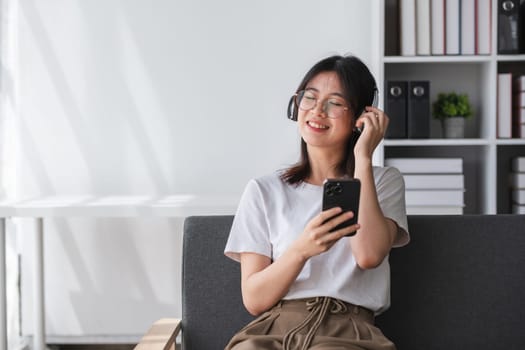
460,284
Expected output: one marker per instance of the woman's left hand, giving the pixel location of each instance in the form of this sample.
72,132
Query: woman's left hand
375,123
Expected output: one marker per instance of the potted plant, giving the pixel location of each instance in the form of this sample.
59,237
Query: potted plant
452,109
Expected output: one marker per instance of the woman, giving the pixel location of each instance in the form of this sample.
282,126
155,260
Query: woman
311,288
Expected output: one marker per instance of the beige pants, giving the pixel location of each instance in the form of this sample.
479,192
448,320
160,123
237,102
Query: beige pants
321,323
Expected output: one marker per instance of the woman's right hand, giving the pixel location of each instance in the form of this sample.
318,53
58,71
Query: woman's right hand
265,282
317,238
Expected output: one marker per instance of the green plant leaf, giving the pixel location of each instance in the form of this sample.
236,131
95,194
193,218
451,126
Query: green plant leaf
451,105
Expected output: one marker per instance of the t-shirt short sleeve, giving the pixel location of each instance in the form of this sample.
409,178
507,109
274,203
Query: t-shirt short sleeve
250,230
391,194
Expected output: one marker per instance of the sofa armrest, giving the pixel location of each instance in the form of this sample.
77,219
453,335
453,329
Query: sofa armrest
161,335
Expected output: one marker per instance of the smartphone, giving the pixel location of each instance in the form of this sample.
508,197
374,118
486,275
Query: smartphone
343,193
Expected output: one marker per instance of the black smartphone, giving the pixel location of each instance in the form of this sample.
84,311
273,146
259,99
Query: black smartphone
343,193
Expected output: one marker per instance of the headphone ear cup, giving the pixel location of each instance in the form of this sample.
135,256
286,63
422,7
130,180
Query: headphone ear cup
375,101
292,110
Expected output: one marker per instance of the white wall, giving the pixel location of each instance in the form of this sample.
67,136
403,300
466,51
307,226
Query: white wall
153,97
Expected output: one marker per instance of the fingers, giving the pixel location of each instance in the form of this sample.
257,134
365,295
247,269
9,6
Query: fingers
331,221
375,123
326,215
318,238
376,117
327,240
338,234
331,224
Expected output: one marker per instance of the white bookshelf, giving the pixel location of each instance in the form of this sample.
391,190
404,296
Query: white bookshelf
486,158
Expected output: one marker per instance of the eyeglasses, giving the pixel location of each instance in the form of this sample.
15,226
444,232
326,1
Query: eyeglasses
334,107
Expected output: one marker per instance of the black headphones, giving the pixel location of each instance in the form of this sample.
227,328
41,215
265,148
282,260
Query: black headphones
292,105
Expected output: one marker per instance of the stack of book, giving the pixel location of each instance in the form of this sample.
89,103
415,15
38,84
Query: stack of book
439,27
517,185
432,185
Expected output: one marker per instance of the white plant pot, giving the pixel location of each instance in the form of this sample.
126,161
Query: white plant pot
454,127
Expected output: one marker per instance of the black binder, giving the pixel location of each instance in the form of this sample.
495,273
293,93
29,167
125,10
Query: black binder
418,117
396,109
510,27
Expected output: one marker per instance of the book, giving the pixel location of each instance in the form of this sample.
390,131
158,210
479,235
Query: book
426,165
483,27
518,100
452,25
519,115
396,108
408,27
418,111
518,197
519,83
517,180
434,210
434,181
509,29
468,27
518,131
434,197
423,27
504,105
518,164
391,28
518,209
437,27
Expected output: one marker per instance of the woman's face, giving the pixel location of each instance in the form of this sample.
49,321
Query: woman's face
328,124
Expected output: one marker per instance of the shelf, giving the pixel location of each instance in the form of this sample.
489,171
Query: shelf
511,58
452,59
510,141
452,142
437,59
437,142
486,158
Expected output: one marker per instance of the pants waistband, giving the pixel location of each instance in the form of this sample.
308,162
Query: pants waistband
338,306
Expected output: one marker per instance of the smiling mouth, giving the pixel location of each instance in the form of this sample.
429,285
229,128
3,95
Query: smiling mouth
317,125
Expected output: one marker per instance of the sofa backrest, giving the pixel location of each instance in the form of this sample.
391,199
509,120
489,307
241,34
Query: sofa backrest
459,284
212,308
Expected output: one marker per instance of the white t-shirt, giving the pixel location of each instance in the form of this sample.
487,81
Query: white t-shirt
272,214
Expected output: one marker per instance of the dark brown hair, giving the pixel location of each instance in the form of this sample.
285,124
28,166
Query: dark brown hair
358,89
